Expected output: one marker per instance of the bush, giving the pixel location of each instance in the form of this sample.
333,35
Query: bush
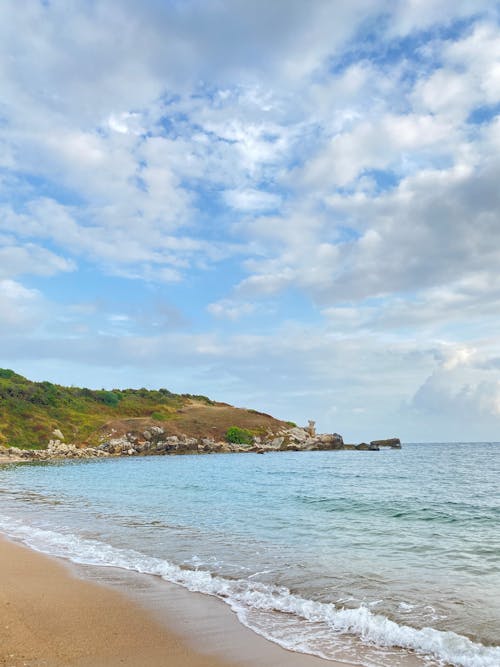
239,436
109,398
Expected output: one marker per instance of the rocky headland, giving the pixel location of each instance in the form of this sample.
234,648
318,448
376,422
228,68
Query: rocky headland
40,421
155,440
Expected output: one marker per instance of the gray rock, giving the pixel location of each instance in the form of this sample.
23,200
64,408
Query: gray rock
298,434
363,446
395,443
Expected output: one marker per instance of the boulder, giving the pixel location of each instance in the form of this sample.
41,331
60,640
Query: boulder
298,434
395,443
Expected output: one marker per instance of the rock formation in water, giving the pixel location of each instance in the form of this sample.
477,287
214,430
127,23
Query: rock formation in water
155,440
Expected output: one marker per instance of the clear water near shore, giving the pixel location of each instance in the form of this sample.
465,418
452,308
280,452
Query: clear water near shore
362,556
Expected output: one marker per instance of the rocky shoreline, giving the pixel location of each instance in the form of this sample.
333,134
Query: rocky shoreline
155,441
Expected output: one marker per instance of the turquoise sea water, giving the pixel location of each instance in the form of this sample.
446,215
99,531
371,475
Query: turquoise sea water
366,556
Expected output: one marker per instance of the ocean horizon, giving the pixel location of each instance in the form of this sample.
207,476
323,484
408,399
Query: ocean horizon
373,558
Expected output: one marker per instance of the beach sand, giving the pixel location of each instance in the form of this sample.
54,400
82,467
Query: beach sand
49,617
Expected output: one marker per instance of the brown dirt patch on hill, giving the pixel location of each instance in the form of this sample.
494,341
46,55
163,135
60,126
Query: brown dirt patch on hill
198,420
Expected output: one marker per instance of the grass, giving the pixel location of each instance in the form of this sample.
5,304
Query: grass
30,411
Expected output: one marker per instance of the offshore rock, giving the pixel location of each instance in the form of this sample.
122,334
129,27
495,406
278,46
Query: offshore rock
363,446
395,443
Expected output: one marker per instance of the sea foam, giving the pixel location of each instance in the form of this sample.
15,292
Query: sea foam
247,597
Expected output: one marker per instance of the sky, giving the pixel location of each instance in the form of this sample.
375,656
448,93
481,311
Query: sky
292,206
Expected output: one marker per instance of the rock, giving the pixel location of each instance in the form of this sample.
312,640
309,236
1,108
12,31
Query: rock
331,438
364,446
188,445
154,440
368,447
395,443
298,434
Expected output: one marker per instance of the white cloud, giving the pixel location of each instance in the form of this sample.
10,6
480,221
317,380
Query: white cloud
469,77
16,260
251,200
297,141
230,309
20,308
413,15
449,394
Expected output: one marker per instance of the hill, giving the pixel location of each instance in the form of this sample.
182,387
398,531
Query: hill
31,411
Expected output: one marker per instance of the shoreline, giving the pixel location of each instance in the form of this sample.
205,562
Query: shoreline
53,617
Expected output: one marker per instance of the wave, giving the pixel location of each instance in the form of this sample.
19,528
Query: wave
249,597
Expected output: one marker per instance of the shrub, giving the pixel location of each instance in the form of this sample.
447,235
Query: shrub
158,416
239,436
109,398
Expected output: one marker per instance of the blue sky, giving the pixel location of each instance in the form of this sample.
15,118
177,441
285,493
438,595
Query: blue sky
289,205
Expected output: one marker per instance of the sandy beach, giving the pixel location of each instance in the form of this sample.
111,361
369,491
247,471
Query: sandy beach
51,618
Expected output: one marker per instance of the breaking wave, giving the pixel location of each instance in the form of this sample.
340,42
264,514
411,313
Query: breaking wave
257,604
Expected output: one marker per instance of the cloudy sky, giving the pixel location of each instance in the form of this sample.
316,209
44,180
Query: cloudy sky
290,205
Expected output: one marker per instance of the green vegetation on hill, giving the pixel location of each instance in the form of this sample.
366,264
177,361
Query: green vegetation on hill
240,436
30,411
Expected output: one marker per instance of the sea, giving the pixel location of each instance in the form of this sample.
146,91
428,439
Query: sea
371,558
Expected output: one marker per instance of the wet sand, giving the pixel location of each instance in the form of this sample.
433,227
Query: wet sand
49,617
